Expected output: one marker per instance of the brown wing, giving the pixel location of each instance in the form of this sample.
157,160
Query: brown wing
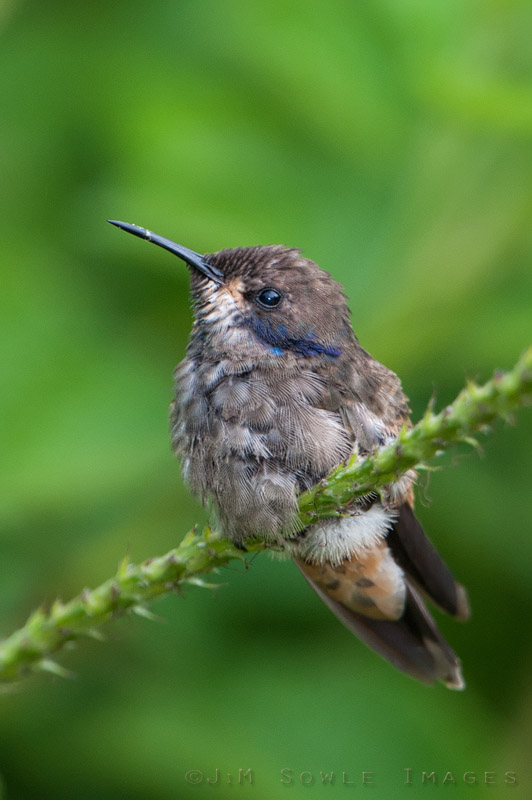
418,557
369,400
375,593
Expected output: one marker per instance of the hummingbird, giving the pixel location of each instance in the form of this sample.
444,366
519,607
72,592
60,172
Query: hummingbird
274,392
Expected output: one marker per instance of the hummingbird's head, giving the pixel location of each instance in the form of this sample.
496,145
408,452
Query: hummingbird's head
263,300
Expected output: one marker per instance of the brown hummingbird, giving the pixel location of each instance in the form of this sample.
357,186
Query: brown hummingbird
275,391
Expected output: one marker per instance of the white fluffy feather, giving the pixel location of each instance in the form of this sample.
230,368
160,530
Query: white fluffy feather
338,538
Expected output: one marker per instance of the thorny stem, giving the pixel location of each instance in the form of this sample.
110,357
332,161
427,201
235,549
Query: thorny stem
48,630
475,408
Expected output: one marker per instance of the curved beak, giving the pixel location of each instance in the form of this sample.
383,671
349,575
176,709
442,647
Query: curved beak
189,256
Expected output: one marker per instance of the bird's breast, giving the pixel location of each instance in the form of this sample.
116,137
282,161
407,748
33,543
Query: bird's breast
251,438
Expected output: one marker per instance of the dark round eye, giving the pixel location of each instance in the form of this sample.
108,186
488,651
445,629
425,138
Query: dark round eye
269,298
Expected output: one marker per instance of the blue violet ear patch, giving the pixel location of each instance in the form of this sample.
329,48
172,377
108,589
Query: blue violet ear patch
279,340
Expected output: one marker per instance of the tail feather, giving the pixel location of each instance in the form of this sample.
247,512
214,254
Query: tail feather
411,643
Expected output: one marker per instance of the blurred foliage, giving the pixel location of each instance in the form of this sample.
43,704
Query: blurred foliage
392,141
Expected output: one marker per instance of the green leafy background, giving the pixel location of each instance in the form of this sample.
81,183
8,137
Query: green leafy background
391,141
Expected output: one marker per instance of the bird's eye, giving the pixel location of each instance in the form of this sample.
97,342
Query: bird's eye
269,298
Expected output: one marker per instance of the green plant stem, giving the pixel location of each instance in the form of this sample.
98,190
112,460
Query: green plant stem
133,586
473,411
47,631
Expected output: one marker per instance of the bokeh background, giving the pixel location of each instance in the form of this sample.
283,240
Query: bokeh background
392,141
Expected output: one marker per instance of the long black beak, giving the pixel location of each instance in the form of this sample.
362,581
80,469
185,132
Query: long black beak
189,256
